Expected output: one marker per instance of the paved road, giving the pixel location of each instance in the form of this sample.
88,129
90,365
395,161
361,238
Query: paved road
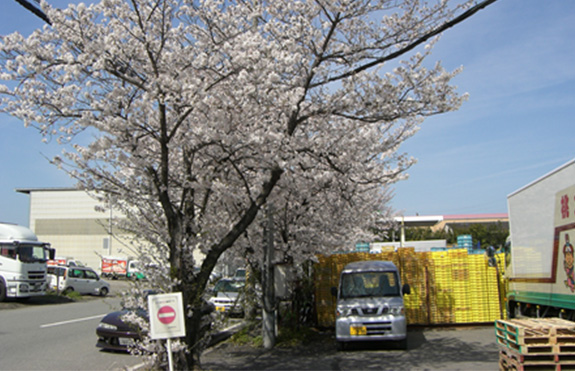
457,348
62,336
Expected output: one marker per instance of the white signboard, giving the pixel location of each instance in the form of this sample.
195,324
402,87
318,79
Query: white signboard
166,316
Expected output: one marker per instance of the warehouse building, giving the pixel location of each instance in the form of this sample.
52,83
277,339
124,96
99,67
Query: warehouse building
68,219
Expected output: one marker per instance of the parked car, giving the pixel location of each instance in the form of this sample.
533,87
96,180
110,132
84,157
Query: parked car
116,333
240,274
227,296
83,280
214,276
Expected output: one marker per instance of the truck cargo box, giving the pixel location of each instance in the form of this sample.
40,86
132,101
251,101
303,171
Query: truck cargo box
540,257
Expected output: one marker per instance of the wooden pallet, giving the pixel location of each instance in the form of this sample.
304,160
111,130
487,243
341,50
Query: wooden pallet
537,335
509,360
536,344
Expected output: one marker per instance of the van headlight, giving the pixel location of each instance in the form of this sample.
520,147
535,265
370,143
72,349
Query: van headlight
342,312
397,311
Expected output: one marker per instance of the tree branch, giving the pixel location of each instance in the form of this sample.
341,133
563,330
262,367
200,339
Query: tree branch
39,13
412,45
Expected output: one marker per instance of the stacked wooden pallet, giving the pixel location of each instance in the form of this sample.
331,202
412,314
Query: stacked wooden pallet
536,344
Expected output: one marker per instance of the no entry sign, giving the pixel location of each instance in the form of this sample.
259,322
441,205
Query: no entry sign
166,316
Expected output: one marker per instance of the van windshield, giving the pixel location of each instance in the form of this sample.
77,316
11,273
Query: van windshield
369,284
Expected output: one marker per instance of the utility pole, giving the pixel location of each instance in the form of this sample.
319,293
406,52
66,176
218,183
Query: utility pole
110,226
402,238
268,322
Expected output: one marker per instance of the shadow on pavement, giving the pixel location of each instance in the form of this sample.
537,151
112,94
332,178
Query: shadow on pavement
10,303
445,349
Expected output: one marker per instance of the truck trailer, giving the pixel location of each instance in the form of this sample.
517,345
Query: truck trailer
121,267
22,262
539,255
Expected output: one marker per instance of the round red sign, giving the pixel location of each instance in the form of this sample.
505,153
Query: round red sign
166,314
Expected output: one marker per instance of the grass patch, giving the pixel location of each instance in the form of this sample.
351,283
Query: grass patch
249,335
295,336
74,295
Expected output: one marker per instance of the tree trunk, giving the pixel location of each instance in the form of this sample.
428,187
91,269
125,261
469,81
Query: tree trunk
193,287
269,310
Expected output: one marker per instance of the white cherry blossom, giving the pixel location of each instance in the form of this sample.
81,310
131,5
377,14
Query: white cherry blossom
202,112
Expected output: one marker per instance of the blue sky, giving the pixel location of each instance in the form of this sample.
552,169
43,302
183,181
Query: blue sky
519,70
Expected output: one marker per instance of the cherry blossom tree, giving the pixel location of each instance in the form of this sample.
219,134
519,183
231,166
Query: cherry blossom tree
191,116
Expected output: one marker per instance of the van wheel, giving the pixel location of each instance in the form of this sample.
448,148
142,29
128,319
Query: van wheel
68,290
341,346
103,291
2,291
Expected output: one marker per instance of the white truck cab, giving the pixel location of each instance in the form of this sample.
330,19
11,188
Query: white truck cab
22,262
370,304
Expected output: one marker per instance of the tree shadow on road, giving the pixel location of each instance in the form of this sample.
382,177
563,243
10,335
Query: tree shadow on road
50,299
442,349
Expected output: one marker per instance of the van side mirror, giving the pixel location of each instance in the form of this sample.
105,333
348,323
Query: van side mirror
406,289
334,291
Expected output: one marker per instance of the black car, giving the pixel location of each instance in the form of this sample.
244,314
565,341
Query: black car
115,333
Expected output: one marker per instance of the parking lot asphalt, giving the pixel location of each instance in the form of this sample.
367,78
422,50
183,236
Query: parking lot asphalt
445,348
116,288
429,348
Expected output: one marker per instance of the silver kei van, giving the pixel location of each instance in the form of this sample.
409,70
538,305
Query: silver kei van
370,304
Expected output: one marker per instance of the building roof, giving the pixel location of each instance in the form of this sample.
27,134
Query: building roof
419,221
441,220
54,189
476,216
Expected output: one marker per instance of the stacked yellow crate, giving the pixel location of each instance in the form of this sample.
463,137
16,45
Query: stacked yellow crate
412,266
391,256
460,277
324,301
494,289
440,288
487,303
322,275
478,294
447,286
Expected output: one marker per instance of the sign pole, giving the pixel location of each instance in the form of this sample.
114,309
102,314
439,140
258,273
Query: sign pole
167,319
169,349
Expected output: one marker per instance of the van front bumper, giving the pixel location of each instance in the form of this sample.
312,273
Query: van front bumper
356,328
